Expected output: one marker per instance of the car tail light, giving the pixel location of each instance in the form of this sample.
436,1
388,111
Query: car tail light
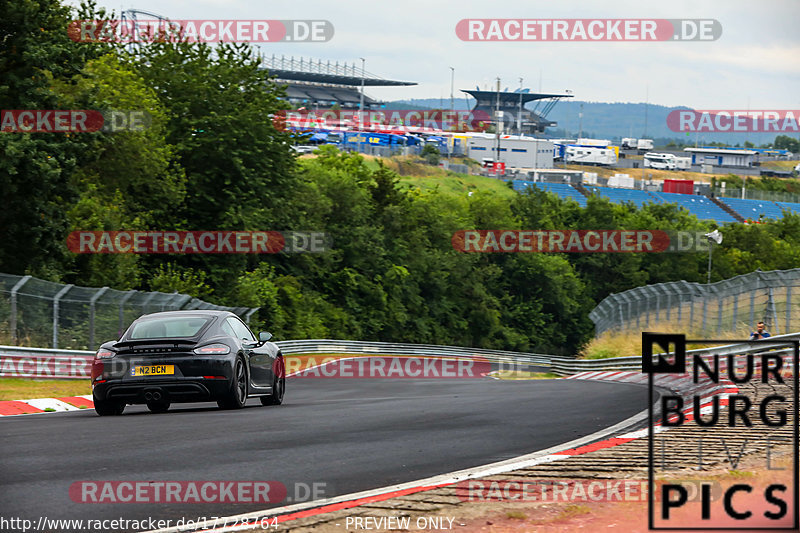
102,353
213,349
97,370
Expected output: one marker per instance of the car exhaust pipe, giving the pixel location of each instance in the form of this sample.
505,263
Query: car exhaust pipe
148,396
156,396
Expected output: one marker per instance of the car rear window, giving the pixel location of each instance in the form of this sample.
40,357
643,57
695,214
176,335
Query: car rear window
185,326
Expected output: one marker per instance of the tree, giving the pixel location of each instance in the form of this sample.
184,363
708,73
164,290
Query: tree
240,169
35,168
126,179
784,142
430,153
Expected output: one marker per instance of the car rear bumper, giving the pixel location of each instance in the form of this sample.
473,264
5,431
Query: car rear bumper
195,379
173,390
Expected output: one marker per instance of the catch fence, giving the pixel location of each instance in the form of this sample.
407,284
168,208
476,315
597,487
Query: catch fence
37,312
731,305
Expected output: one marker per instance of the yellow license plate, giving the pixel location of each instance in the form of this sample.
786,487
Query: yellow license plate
153,370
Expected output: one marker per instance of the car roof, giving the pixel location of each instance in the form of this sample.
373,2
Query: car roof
183,312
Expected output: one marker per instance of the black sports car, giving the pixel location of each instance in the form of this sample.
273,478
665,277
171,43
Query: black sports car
187,356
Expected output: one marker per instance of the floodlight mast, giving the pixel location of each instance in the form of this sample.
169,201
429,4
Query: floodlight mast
131,14
497,125
361,99
714,236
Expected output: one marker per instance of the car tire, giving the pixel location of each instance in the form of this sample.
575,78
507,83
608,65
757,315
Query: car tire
108,407
236,397
278,385
158,407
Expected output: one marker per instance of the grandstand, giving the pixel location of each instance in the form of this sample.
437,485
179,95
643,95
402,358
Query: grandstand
754,209
697,205
563,190
535,121
790,206
700,206
316,84
618,196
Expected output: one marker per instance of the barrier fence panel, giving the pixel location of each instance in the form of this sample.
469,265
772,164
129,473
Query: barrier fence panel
729,306
40,363
37,312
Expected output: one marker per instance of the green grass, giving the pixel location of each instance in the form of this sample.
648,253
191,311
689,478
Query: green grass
458,184
572,510
740,474
26,388
779,165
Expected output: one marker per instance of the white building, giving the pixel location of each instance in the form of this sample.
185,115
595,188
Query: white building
722,157
515,151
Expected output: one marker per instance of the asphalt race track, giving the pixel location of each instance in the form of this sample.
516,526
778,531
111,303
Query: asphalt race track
350,434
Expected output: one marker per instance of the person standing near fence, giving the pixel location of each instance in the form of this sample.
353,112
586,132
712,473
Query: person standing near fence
759,333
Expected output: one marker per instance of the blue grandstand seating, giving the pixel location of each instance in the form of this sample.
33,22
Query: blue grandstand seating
618,196
564,190
754,208
794,207
700,206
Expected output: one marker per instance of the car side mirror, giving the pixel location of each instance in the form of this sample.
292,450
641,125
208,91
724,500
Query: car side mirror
264,336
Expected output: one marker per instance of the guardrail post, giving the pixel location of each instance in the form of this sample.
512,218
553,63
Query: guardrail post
249,314
772,314
788,308
122,311
705,310
174,297
183,301
13,318
146,301
92,301
719,314
56,304
735,311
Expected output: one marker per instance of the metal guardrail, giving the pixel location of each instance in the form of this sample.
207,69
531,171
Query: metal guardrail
386,348
19,361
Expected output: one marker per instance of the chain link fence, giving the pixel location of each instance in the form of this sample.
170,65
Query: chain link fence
35,312
730,305
755,194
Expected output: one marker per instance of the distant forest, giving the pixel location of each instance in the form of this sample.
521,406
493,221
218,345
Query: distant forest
611,121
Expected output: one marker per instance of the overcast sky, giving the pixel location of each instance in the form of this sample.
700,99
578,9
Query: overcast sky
755,64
